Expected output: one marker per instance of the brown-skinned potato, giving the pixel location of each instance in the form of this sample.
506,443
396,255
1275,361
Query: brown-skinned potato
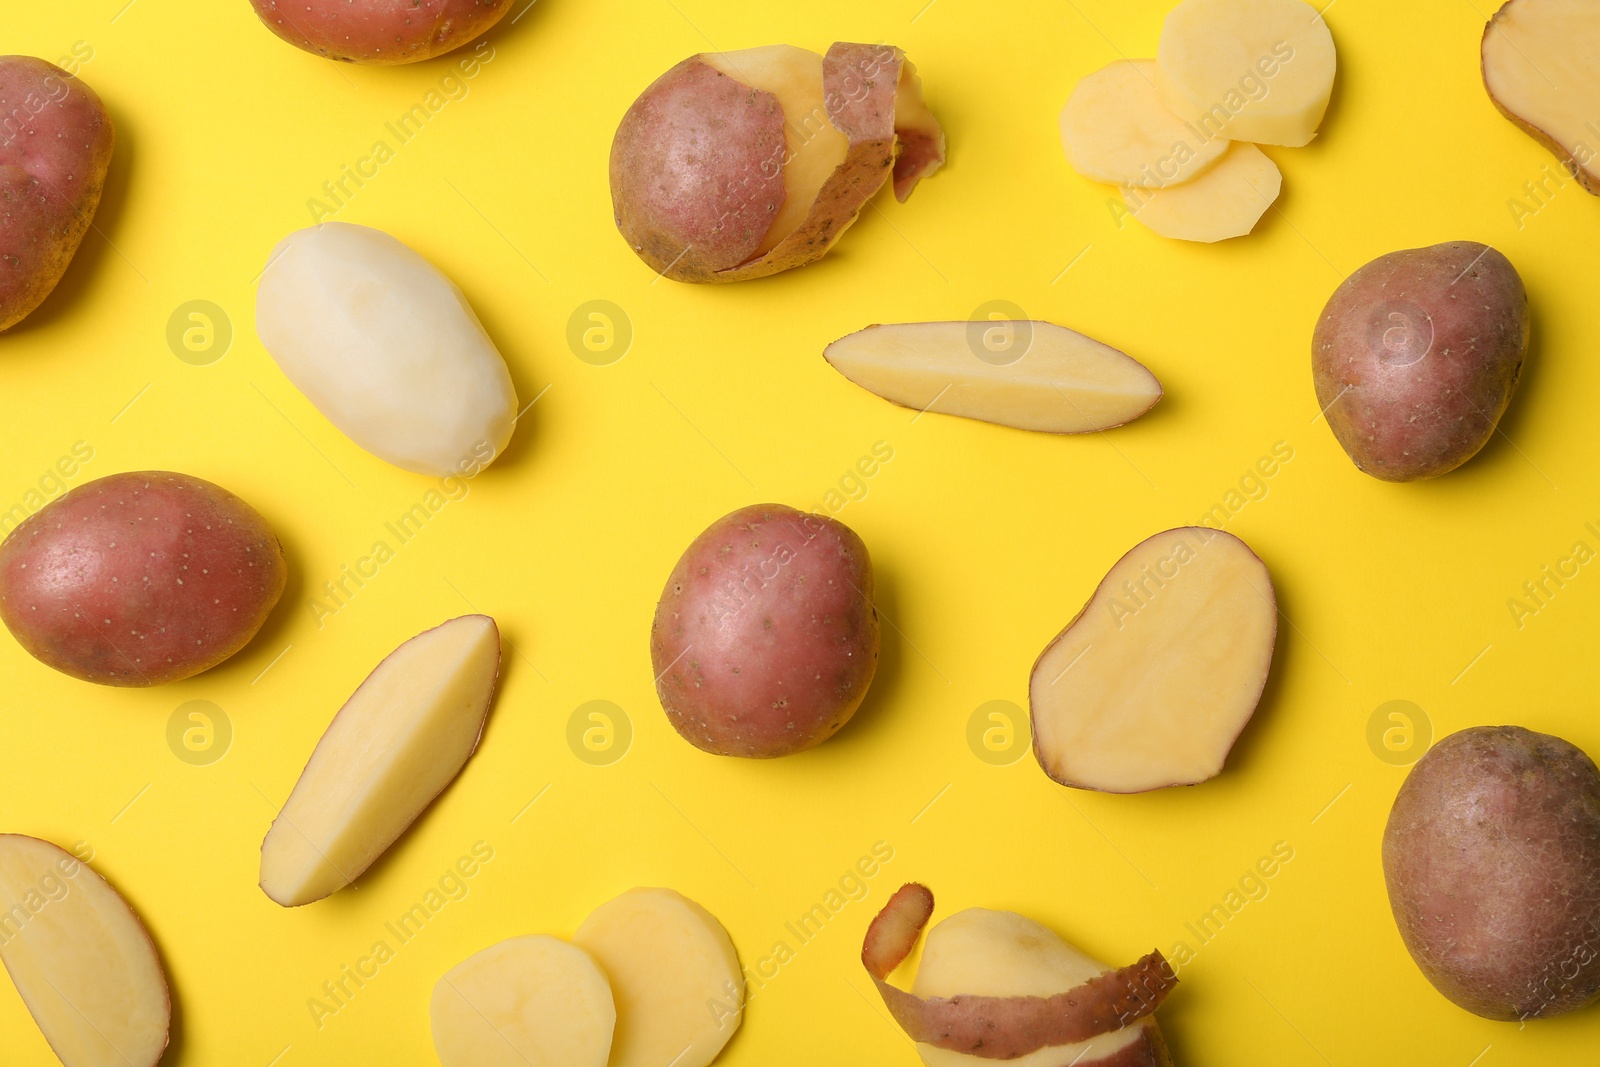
1416,355
379,32
1492,860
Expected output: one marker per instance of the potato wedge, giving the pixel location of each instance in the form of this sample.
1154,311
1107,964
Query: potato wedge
1040,376
1539,68
1115,128
1226,201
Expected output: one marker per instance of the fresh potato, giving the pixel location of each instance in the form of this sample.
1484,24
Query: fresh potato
1154,679
525,1002
1416,356
138,579
395,745
55,149
1539,68
1492,859
766,637
1248,70
80,958
1226,201
674,974
1116,129
1057,380
742,164
379,31
387,348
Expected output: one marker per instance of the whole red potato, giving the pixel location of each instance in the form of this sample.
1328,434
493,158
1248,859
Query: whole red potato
385,32
765,639
138,579
55,149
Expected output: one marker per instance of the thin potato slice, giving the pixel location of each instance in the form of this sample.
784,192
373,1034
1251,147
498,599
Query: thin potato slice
1226,201
528,1000
80,958
1116,129
1539,65
1029,375
675,975
1250,70
1151,683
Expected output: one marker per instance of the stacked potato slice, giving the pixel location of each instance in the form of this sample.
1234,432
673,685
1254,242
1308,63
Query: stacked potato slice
1178,134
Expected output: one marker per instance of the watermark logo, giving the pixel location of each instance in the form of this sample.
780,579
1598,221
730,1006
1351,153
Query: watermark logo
1399,732
599,733
999,333
998,734
1401,333
599,332
199,332
199,732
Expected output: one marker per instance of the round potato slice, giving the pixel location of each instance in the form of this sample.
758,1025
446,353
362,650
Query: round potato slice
1116,129
675,974
1226,201
1249,70
527,1000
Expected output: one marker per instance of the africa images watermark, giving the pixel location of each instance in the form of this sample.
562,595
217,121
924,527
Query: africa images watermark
55,480
1538,592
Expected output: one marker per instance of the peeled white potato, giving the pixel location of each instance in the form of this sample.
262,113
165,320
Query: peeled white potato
1226,201
398,741
1063,383
674,973
387,348
979,952
80,958
527,1002
1249,70
1116,129
1540,67
1151,683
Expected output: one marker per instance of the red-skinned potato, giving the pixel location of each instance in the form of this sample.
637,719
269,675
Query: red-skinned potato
138,579
738,165
1416,356
766,638
385,32
55,149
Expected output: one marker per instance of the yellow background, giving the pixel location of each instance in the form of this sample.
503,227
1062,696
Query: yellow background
985,540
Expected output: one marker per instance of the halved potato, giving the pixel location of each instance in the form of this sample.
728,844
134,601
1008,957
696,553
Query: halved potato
1151,683
1539,65
1116,129
1060,382
1226,201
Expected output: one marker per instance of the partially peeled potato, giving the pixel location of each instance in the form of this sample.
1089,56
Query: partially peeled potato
737,165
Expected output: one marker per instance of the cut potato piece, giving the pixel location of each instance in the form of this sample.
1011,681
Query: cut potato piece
527,1002
80,958
394,746
1116,129
1226,201
1058,380
1003,954
1154,679
1249,70
1539,65
674,973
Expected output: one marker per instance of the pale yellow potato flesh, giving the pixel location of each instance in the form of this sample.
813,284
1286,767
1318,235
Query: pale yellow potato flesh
1541,68
80,958
393,747
1249,70
1115,129
675,974
979,952
531,1001
1154,679
1226,201
1063,382
815,147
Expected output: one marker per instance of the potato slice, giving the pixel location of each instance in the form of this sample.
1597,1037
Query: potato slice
675,975
1226,201
1250,70
1539,67
1003,954
1063,382
1116,129
80,958
1151,683
394,746
526,1001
